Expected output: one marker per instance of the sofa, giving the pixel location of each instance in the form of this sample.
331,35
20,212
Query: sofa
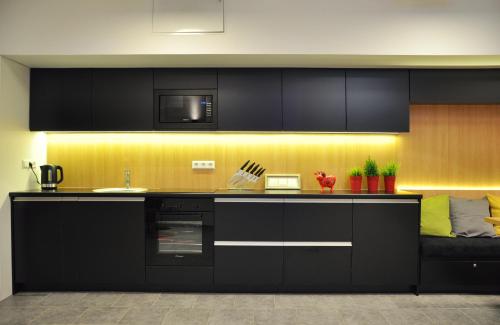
459,264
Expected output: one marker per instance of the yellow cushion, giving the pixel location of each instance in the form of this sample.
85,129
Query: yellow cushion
494,201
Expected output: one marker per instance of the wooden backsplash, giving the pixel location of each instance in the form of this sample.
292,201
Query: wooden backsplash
448,145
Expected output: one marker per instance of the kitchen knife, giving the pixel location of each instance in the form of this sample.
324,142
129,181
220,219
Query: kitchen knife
259,174
238,173
241,176
254,176
248,177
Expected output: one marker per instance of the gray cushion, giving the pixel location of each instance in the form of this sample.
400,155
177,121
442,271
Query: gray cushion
467,217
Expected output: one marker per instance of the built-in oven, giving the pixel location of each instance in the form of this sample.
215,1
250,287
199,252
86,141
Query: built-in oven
179,231
194,109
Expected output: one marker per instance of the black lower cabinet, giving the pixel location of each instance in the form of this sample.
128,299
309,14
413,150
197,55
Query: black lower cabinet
317,268
248,268
67,244
180,278
385,243
37,245
111,243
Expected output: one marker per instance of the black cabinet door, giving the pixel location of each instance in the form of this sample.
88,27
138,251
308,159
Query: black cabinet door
248,268
60,100
385,243
250,100
259,220
38,246
111,240
185,79
123,99
317,268
321,220
457,86
314,100
377,100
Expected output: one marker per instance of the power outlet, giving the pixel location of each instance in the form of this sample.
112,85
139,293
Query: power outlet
26,163
203,164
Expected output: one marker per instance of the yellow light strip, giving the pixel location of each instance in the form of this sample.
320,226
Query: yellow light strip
448,188
222,138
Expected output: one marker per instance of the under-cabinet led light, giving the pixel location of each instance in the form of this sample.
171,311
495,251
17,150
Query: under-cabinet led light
222,138
447,188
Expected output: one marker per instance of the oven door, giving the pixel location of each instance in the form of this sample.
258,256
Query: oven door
181,239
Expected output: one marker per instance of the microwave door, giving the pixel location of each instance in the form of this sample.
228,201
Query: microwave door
194,108
181,109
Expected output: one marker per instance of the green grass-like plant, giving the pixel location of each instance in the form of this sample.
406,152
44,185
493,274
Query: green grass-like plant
371,168
390,169
356,172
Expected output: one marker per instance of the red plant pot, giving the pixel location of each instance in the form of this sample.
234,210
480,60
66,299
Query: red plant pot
372,184
356,183
389,184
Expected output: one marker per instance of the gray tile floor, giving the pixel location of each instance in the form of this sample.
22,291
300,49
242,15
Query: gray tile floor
235,309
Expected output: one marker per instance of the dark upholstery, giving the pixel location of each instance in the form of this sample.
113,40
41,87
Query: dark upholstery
460,247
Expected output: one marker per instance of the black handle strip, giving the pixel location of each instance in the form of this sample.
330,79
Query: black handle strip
250,168
245,164
254,169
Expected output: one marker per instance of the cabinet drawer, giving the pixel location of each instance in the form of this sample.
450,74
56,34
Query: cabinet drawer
248,268
249,221
317,221
443,273
317,267
180,277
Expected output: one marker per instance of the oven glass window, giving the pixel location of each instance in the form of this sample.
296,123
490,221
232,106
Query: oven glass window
180,237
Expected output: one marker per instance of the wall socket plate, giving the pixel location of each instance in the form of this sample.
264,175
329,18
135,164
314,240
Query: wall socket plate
26,163
203,164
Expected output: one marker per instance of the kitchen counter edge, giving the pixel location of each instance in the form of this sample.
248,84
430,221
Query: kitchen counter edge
222,193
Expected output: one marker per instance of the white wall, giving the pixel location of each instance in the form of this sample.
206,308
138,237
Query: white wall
16,143
400,27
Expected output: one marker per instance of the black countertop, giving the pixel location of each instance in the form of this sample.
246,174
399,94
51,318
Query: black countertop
223,193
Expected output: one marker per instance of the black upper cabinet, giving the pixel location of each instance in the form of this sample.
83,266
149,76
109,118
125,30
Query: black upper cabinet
185,78
250,100
385,243
314,100
455,86
60,100
123,99
377,100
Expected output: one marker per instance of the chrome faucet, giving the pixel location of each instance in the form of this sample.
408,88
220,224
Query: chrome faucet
126,175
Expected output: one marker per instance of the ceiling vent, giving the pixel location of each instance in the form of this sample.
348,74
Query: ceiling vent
188,16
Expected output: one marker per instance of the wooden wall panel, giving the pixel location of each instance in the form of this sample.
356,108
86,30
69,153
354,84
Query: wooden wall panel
164,160
448,145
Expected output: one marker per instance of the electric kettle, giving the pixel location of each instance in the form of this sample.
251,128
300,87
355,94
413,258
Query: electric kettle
49,178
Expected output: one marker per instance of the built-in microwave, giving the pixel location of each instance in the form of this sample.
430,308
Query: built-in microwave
186,109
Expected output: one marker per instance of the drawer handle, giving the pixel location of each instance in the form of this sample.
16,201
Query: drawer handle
474,265
178,256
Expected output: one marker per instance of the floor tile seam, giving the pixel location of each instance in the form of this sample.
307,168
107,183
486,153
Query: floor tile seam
469,317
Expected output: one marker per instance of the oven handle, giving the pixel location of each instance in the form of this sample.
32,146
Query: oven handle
178,217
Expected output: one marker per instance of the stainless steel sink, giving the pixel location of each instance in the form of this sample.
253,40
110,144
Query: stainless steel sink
120,190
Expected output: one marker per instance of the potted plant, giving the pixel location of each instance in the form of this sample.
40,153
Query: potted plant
372,175
356,178
389,173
